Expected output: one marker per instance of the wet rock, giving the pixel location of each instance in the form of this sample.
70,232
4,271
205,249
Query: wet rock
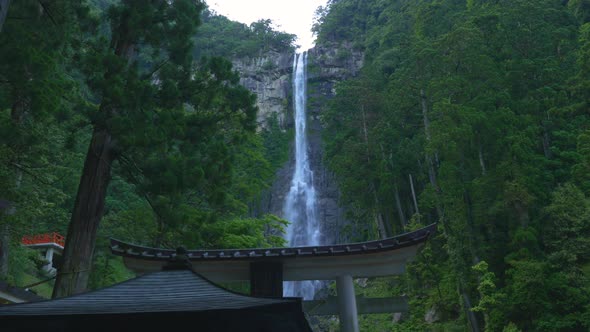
432,315
397,317
269,76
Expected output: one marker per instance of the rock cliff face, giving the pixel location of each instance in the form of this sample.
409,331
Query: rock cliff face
328,64
270,78
331,63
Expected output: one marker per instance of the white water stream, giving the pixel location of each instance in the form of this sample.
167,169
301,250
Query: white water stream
300,207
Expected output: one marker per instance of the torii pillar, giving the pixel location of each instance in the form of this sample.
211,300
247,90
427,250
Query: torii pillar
347,304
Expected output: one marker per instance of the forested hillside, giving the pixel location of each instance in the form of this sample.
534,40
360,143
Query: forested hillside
472,114
126,119
119,119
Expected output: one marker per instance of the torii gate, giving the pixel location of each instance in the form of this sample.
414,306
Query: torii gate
267,268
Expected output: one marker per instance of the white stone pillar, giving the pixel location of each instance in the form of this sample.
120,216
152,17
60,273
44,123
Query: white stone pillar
49,258
347,304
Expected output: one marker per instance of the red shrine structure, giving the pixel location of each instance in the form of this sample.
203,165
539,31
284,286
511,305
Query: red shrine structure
51,246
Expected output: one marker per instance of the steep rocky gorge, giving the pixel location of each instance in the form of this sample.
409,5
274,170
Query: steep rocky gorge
269,76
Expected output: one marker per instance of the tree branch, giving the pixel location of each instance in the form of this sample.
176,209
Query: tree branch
33,175
46,10
158,67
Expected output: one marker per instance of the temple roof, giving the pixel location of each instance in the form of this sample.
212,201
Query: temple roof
362,259
16,294
162,301
159,292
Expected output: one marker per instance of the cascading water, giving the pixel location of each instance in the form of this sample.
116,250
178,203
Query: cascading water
300,207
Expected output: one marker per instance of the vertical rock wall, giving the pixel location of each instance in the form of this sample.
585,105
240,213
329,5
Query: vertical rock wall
269,76
328,64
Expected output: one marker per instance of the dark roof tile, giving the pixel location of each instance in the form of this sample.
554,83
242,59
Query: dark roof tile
166,291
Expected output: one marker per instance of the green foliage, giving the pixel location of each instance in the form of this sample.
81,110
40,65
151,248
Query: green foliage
481,110
188,165
264,232
491,298
23,261
476,110
511,328
108,270
276,142
567,233
219,36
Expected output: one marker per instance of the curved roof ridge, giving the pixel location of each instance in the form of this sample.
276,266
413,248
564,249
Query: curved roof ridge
122,248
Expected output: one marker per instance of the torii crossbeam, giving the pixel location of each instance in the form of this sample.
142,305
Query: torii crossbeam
267,268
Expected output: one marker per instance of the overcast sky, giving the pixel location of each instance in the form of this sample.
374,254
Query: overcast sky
292,16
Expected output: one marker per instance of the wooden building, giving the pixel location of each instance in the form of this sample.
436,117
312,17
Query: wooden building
175,298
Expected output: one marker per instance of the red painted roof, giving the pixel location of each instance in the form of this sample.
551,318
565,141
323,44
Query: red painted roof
44,238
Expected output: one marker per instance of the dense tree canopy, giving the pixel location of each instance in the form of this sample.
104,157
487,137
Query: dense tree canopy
477,111
111,100
118,118
234,39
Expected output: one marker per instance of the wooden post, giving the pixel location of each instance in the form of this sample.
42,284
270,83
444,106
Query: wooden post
266,279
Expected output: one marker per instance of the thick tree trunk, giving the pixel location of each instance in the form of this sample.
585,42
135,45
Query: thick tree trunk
72,278
414,194
17,115
379,220
471,317
160,235
5,231
474,325
471,225
482,163
381,225
400,211
429,162
523,213
376,213
547,144
4,4
424,104
4,249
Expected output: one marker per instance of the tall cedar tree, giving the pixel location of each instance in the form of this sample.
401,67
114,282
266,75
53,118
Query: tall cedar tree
478,113
33,89
129,95
4,4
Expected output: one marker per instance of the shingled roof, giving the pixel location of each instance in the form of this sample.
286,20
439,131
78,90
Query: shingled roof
181,294
16,294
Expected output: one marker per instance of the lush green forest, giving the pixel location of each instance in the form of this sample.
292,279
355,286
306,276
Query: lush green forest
119,119
473,114
125,119
219,36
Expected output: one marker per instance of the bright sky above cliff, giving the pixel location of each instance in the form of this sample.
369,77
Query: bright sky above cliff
292,16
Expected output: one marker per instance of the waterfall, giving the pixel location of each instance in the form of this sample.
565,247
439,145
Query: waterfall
300,207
